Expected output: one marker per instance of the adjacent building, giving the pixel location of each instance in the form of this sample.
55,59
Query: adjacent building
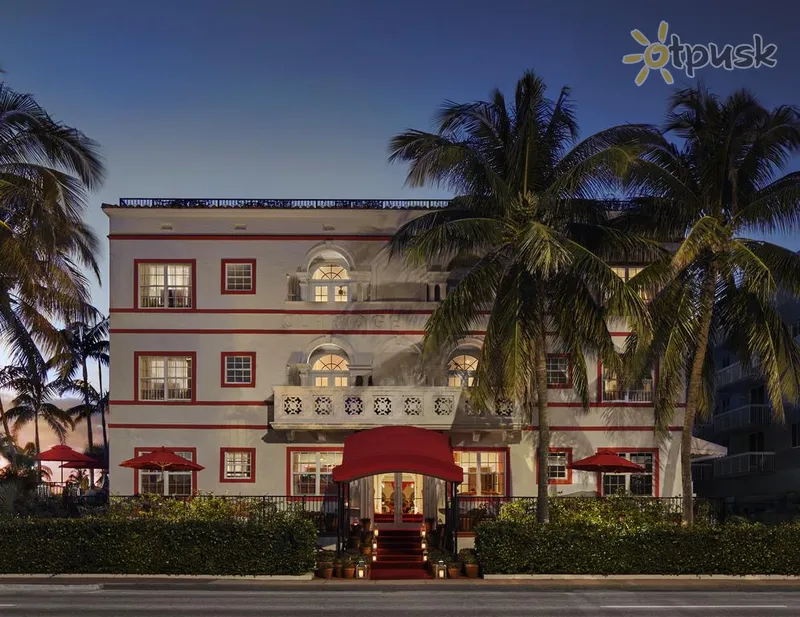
254,336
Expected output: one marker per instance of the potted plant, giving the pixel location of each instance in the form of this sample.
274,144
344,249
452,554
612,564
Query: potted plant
469,558
325,564
349,565
337,567
366,524
453,567
434,555
366,542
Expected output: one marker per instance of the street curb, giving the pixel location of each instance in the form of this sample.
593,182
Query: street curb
54,588
169,577
639,577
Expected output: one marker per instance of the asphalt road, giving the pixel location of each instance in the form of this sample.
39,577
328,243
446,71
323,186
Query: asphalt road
476,602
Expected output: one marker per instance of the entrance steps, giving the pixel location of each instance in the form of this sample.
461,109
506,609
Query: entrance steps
399,555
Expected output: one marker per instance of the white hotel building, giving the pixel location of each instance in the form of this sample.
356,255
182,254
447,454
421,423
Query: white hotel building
254,336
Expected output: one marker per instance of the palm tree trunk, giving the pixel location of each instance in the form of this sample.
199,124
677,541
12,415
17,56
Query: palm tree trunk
543,445
102,408
36,440
6,427
693,392
88,407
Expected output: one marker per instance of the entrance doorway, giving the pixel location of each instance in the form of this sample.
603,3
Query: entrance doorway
398,500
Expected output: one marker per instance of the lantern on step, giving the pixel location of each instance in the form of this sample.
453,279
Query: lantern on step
425,556
361,569
440,569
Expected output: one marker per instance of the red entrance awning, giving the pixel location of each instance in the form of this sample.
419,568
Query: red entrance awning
397,448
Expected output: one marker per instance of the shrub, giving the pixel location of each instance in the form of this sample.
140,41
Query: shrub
513,547
279,545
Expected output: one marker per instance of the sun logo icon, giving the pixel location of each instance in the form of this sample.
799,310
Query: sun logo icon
655,56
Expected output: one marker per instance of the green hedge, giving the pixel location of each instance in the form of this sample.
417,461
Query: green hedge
282,545
509,547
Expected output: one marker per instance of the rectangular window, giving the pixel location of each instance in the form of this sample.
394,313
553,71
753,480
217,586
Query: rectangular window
237,465
165,378
558,466
614,390
558,374
642,484
239,277
756,442
165,285
238,369
311,472
796,434
323,292
175,483
626,273
484,472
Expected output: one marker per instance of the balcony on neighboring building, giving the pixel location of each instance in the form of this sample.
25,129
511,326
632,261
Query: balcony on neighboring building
702,471
744,463
737,372
747,416
434,407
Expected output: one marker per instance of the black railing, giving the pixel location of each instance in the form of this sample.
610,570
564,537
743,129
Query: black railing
613,205
473,510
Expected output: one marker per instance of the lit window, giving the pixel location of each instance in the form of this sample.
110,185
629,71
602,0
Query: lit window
557,371
239,369
330,370
330,283
312,472
484,472
626,273
239,277
178,483
165,378
558,467
461,371
238,465
614,390
634,483
165,285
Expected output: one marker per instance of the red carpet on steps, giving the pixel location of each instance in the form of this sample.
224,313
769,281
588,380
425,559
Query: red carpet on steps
399,556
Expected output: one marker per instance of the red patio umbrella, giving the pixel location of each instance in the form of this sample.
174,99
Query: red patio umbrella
607,462
63,452
94,464
162,460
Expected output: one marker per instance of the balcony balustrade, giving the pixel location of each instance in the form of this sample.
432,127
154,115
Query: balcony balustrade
309,407
745,463
737,372
746,416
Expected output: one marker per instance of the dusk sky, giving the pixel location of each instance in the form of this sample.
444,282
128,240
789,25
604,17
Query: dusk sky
202,98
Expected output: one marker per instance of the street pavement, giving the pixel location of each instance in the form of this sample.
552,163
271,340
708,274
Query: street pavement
486,601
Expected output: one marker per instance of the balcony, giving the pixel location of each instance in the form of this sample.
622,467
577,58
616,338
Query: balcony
737,372
702,471
746,416
614,393
741,464
307,407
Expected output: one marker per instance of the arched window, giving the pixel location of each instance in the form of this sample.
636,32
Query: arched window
461,371
329,283
330,370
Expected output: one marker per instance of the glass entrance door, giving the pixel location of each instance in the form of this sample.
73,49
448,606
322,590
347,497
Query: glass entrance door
398,500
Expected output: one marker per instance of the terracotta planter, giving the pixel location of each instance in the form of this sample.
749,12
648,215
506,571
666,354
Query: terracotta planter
472,570
327,572
453,572
337,571
349,571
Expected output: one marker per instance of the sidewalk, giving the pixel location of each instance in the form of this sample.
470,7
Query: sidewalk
93,583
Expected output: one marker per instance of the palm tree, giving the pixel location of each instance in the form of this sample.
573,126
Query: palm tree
92,405
84,342
526,209
35,392
46,172
718,286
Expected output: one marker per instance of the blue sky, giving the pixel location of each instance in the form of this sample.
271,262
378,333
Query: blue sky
246,98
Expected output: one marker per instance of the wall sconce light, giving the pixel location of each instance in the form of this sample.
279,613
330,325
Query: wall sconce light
361,569
441,570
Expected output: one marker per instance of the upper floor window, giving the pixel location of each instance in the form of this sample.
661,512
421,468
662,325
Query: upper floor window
626,273
461,371
614,389
330,370
165,378
237,465
329,283
558,372
238,369
165,285
239,276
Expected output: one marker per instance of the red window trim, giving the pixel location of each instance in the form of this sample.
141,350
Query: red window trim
656,467
142,450
568,385
292,450
556,481
163,354
224,276
223,479
136,299
600,400
226,354
507,453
